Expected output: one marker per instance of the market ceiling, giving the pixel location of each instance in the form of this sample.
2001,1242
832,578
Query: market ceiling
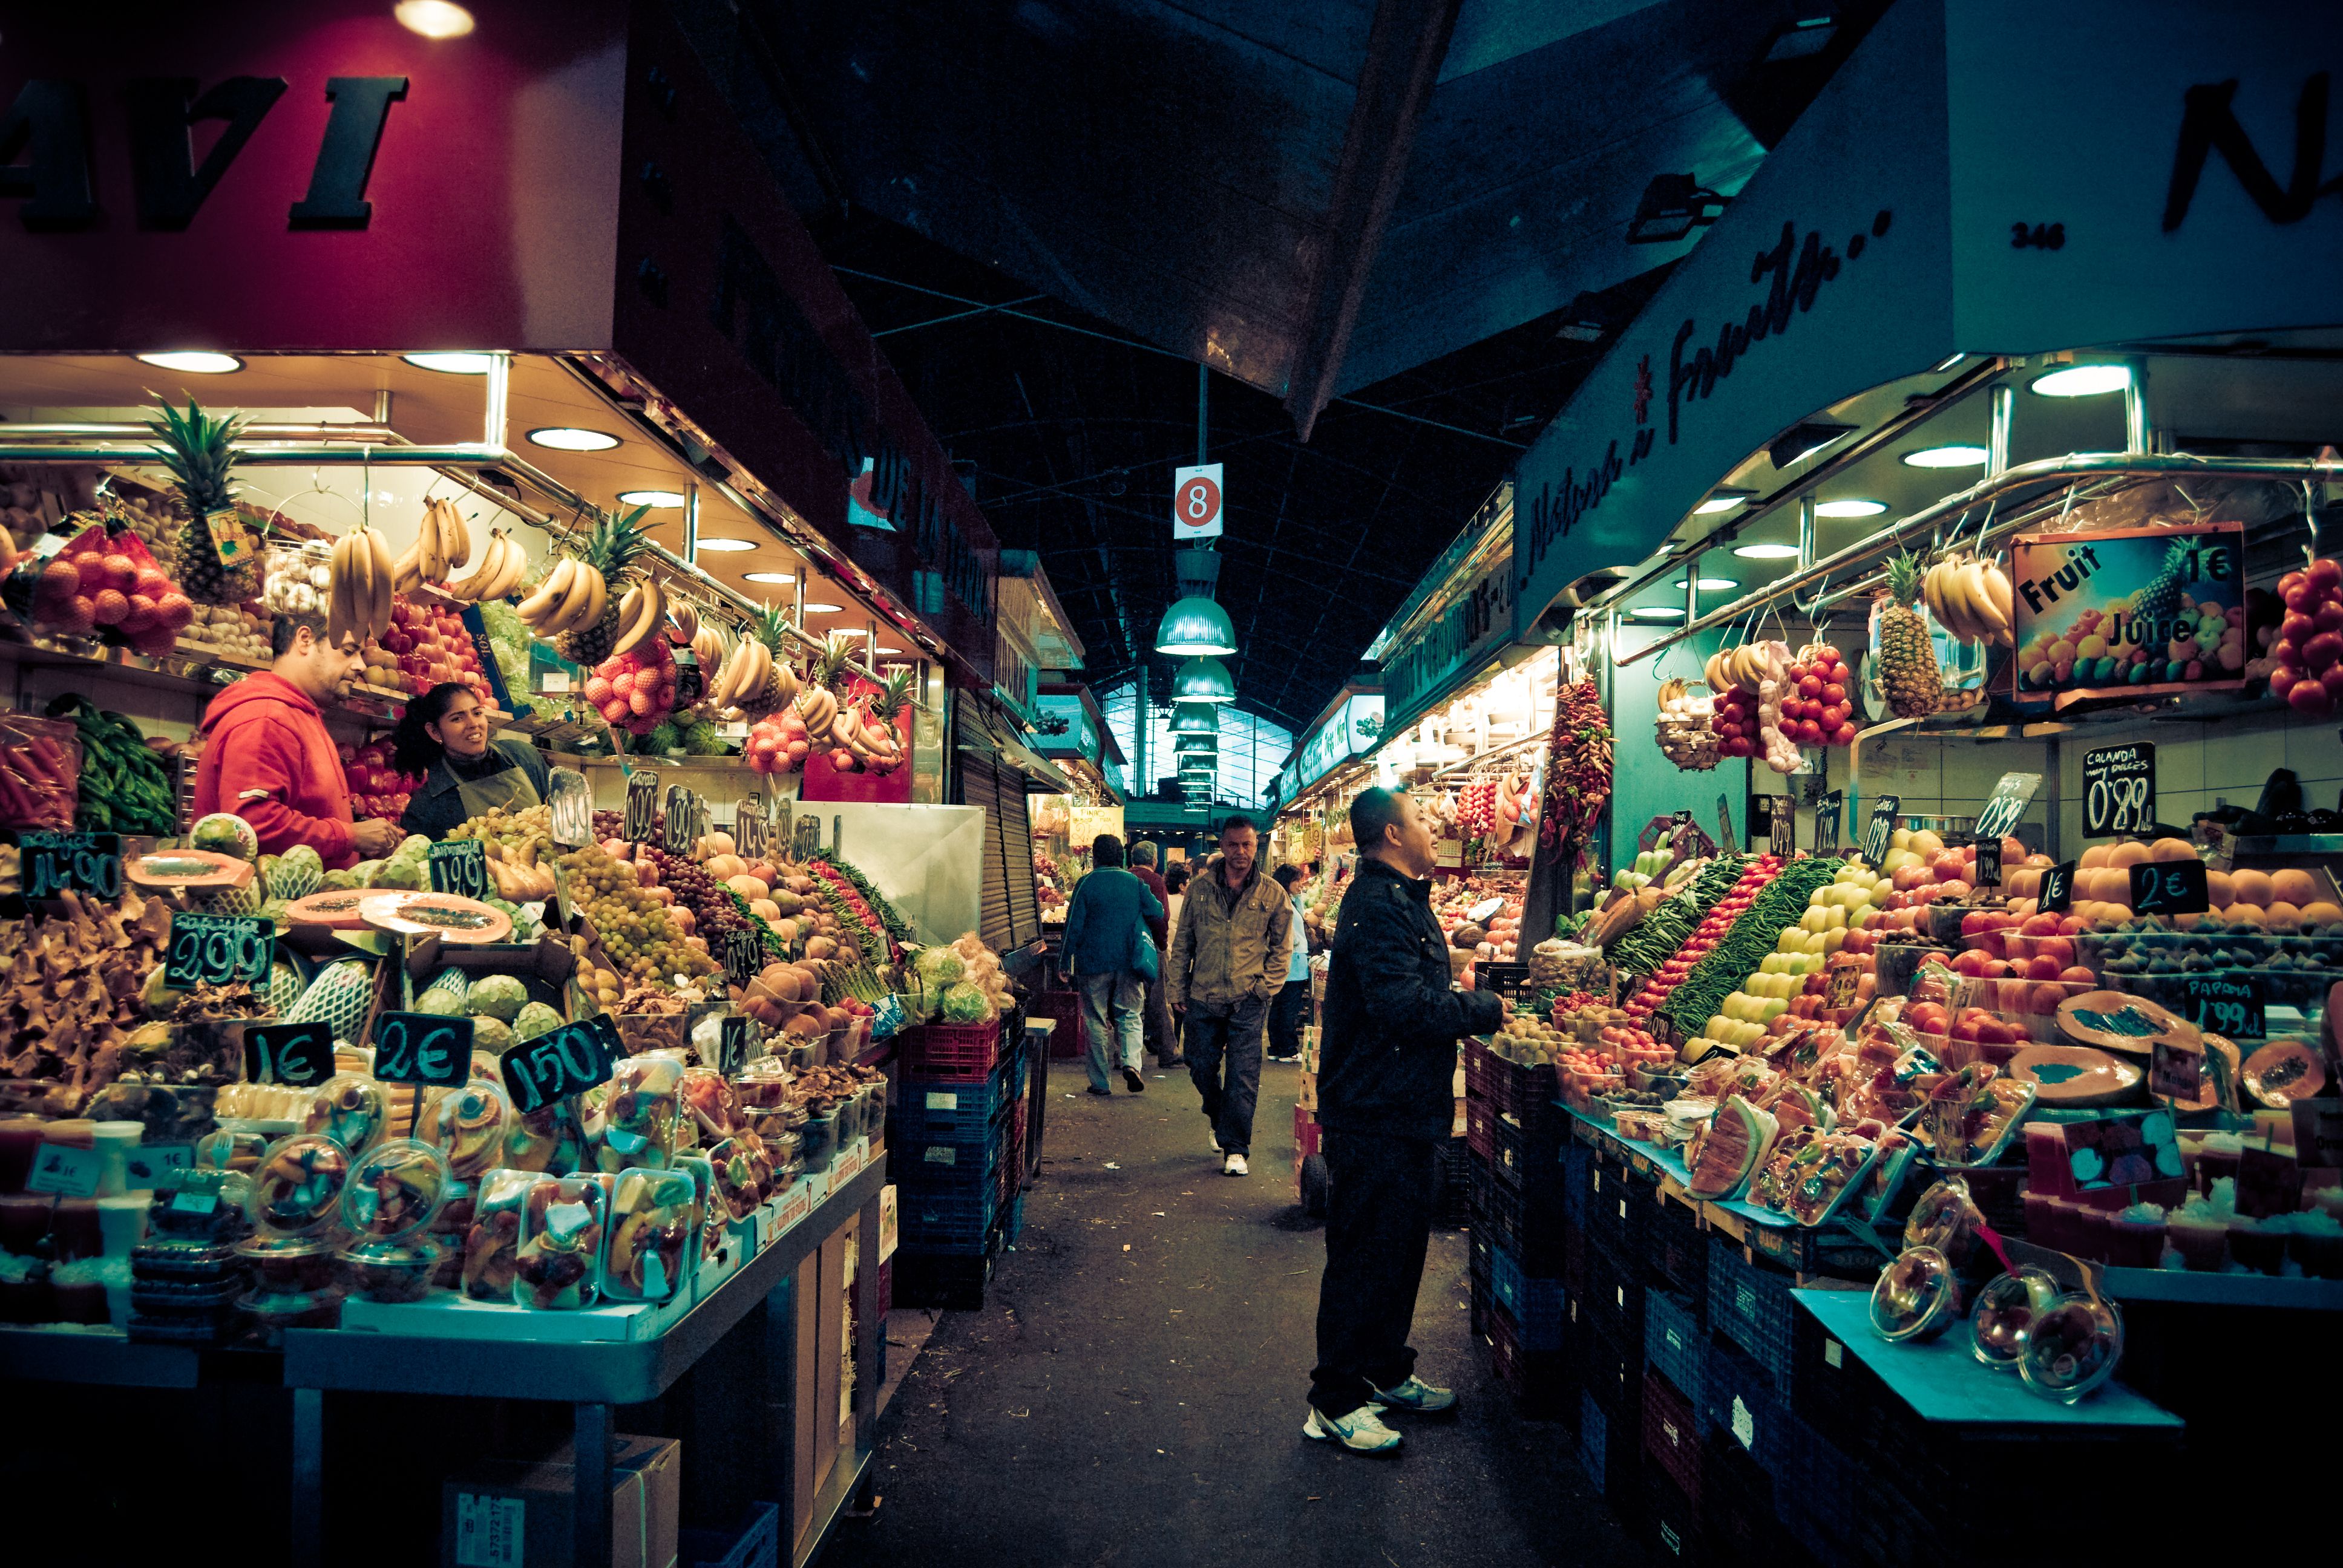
1373,219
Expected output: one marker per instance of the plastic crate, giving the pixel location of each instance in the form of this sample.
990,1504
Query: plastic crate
952,1280
1618,1207
1527,1221
1478,1060
1577,1172
1455,1183
1750,1303
1610,1446
964,1052
1833,1391
951,1110
1536,1305
932,1221
1614,1298
1740,1405
1675,1247
1824,1498
1736,1508
1674,1343
1672,1437
1509,981
1673,1520
1611,1373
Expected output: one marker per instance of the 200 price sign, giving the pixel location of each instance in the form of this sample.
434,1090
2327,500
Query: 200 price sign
218,950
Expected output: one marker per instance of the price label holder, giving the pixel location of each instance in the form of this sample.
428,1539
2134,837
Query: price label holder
460,866
2006,806
2058,888
1844,980
150,1164
743,955
642,805
561,1062
422,1048
1781,827
2318,1132
297,1055
2118,790
735,1034
748,827
1988,859
66,1171
2168,888
1881,829
2228,1005
218,950
680,825
1828,813
55,863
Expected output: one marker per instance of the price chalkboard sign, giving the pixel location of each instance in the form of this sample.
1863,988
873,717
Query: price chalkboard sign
564,1061
743,955
2006,806
1989,861
80,862
2118,790
217,949
2058,888
1828,815
299,1055
2227,1004
1881,829
2168,888
642,805
422,1048
460,866
749,828
1781,827
735,1034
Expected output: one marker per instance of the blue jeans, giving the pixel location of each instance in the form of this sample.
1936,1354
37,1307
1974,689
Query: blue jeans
1113,1005
1227,1032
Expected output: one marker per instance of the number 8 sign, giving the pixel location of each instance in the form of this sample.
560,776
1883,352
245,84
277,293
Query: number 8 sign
1196,502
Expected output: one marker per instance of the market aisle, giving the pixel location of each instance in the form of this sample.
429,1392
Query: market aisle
1132,1392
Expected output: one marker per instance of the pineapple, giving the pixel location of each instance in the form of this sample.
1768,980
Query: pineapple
770,627
1907,658
2158,605
829,666
610,550
886,705
196,451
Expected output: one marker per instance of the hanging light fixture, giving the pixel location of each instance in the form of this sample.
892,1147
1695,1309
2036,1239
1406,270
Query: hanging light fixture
1188,745
1204,680
1194,719
1195,628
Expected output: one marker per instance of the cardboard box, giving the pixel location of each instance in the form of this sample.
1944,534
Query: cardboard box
1307,1090
504,1514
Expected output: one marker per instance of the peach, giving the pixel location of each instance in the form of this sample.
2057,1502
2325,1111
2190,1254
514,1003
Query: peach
2322,913
2219,891
2248,886
2293,886
2281,916
2094,857
2077,975
2040,926
2043,998
2172,850
2059,948
2042,967
2127,854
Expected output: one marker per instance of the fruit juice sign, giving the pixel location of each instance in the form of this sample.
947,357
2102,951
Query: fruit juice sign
2130,613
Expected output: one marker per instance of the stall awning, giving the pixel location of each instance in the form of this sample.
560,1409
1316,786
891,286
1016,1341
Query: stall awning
984,734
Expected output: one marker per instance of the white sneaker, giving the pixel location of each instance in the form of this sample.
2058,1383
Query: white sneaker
1211,1140
1360,1431
1412,1393
1234,1165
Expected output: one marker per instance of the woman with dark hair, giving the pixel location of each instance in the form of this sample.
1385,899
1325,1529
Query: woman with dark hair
445,740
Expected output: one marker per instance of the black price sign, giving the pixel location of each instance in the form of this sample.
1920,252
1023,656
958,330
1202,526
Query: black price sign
734,1035
1781,827
2007,805
748,827
422,1048
743,955
81,863
216,949
683,822
561,1062
1827,813
1989,861
2118,790
2176,1071
460,866
1881,829
2168,888
2058,888
2227,1004
297,1055
642,805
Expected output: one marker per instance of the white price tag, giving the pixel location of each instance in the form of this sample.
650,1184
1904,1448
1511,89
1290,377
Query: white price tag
65,1171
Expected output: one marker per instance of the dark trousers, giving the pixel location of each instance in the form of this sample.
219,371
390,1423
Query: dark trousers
1379,1202
1286,1010
1162,1034
1227,1034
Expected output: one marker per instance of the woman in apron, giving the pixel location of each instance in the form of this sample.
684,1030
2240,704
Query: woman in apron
444,739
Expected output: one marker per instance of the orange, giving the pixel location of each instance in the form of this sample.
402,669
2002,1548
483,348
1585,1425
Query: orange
2296,887
2127,855
2097,854
2251,886
2172,850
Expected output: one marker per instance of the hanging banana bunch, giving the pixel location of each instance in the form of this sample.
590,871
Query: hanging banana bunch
682,623
363,576
1970,599
641,613
502,566
442,543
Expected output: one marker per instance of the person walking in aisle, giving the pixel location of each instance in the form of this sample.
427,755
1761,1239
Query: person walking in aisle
1292,1004
1228,959
1386,1072
1162,1042
1111,957
1176,877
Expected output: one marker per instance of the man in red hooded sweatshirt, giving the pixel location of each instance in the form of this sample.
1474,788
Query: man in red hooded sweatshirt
268,759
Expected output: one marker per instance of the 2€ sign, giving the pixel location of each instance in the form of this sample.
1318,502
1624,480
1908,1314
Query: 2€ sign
1196,502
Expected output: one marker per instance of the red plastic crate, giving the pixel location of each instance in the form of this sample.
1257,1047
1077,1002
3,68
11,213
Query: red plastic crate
1672,1435
963,1051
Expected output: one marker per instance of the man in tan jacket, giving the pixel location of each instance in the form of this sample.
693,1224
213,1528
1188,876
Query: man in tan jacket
1228,959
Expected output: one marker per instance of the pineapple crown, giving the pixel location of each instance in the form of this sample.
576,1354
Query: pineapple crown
894,693
770,626
829,666
1904,573
196,449
615,543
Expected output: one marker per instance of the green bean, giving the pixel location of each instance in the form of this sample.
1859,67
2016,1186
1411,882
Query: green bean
1743,948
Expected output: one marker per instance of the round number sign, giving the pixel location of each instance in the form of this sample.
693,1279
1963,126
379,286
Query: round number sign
1198,504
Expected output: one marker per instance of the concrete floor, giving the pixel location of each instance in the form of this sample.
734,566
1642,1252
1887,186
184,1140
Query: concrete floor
1133,1393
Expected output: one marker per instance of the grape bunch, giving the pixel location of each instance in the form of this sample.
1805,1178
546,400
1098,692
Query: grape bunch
642,943
711,906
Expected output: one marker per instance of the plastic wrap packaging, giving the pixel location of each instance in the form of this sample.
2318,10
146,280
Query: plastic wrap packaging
350,1110
467,1125
654,1220
636,1129
492,1244
547,1139
297,1190
40,772
711,1110
395,1191
560,1254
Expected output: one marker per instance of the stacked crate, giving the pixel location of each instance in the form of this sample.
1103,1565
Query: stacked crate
1513,1137
958,1149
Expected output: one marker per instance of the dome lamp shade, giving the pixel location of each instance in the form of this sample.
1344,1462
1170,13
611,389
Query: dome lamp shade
1195,628
1194,719
1204,680
1195,745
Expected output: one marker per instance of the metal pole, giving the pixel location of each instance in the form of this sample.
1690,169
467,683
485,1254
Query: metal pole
691,524
2139,435
498,401
1203,404
1806,531
1997,448
1692,589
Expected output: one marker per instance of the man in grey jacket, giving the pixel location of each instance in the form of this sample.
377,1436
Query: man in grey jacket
1228,959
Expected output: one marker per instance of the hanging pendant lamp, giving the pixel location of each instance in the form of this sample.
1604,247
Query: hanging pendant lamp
1195,628
1191,745
1204,680
1194,719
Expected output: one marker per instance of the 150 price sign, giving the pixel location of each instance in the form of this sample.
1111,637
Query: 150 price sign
561,1062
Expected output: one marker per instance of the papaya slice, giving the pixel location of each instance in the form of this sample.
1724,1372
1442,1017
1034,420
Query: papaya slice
2282,1073
2133,1025
199,870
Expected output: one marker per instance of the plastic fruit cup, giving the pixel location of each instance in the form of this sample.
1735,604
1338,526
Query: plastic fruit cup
2202,1247
2093,1231
2264,1251
2136,1244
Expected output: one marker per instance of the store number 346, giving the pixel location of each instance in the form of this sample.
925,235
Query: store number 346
2037,237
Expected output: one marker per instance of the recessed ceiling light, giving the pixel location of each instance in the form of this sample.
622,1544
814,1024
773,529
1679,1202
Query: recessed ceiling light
1945,457
1716,504
1714,582
195,362
1657,612
849,631
433,18
1849,509
568,438
450,363
1766,552
814,606
662,498
769,578
886,647
2083,381
720,546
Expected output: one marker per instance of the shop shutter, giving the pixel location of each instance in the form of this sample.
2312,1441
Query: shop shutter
980,785
1017,852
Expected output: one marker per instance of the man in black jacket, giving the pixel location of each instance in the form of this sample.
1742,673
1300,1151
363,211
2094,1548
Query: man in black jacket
1386,1101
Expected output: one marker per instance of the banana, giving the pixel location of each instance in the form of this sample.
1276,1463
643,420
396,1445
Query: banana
728,676
459,536
707,647
598,599
511,563
566,614
379,617
361,585
1997,594
1977,585
338,594
640,615
685,621
538,607
407,572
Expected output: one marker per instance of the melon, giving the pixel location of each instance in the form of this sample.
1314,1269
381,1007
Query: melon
450,979
500,997
2249,886
2293,886
1738,1136
2282,1073
339,997
2172,850
226,833
1467,937
285,986
2110,1021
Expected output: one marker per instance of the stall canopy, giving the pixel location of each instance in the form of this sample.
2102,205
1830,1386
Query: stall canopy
564,181
1982,177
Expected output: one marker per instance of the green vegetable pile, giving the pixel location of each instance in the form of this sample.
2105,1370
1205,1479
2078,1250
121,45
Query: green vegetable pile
126,786
890,921
1647,945
1700,993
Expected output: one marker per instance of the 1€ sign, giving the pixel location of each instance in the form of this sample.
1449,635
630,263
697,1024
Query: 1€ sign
1196,502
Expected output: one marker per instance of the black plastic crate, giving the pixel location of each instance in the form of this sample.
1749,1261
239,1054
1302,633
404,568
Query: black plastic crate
1823,1499
1672,1520
1577,1171
1610,1444
1741,1407
1736,1508
1455,1183
1749,1302
1675,1247
1673,1438
1527,1222
1611,1373
942,1279
1831,1389
1541,1382
1619,1205
1675,1341
1614,1296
